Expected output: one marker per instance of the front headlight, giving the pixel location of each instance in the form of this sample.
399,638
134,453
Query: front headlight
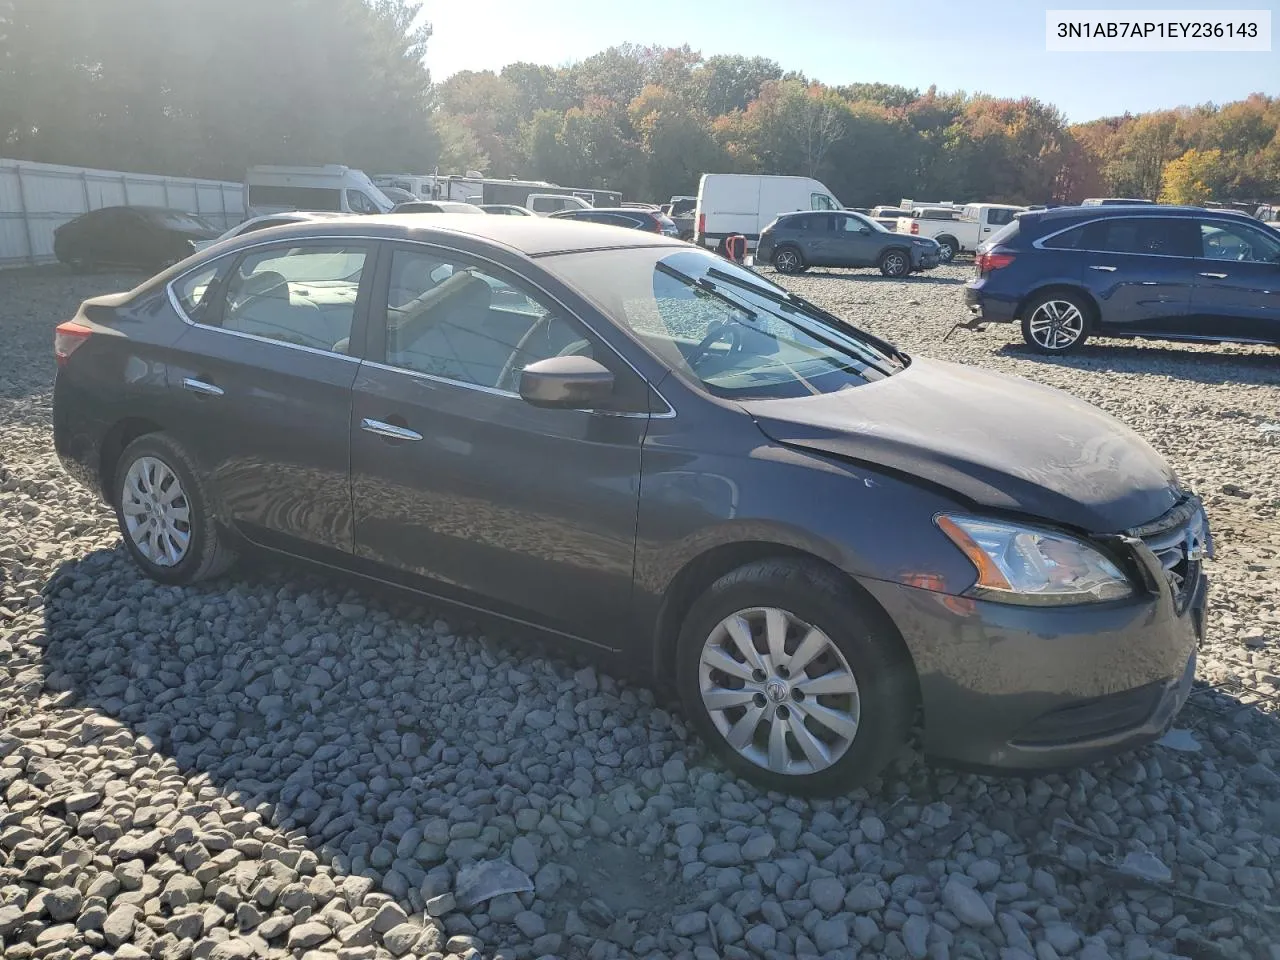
1018,564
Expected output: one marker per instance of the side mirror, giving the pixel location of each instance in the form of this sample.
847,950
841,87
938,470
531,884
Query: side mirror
865,231
566,383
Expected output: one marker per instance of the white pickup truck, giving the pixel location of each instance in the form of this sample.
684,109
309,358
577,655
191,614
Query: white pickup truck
958,230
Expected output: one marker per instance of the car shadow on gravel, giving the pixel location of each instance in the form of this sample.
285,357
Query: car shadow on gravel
398,748
1181,363
358,722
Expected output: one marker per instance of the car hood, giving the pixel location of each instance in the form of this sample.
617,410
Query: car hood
998,441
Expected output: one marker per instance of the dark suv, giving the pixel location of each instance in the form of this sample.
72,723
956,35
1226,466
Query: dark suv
1169,273
796,241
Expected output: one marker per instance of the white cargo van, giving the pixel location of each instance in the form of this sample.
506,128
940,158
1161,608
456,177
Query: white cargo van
335,188
730,203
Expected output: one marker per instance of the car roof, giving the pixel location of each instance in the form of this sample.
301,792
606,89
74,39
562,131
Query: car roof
629,210
1134,209
532,236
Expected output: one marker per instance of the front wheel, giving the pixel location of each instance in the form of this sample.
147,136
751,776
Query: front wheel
798,683
164,515
895,263
1055,323
788,260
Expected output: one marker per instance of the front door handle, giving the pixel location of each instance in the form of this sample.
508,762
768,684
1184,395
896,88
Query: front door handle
1215,276
389,430
201,388
1098,266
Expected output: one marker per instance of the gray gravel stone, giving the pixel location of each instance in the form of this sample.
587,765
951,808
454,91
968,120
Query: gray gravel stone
967,904
403,938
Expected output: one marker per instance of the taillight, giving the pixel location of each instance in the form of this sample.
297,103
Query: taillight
986,262
656,225
702,224
67,339
915,227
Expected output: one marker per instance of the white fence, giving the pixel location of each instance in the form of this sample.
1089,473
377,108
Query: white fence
36,198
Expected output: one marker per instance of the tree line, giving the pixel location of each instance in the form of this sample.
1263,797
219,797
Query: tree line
209,87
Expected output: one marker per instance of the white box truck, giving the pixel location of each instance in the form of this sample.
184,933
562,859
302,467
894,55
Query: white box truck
730,203
334,188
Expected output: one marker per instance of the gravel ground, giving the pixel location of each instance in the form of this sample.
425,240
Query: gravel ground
281,766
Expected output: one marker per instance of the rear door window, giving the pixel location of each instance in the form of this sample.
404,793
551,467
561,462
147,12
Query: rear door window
1151,236
302,295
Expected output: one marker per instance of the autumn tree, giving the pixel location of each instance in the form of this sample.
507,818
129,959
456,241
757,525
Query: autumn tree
676,143
1191,178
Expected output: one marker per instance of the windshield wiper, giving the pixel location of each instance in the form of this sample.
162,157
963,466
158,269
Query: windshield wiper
851,346
797,302
708,287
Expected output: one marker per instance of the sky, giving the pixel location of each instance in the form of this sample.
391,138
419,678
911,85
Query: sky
988,46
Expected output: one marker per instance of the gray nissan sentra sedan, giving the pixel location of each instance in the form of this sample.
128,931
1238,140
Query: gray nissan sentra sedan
618,439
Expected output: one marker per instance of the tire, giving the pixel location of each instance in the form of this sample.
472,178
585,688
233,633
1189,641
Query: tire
789,260
950,247
155,460
895,262
855,639
64,256
1056,322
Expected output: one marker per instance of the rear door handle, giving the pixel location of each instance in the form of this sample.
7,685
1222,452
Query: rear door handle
1215,276
202,388
1098,266
389,430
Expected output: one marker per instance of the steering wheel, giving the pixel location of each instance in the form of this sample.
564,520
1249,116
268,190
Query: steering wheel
716,331
541,325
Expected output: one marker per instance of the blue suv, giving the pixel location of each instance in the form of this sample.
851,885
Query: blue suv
1168,273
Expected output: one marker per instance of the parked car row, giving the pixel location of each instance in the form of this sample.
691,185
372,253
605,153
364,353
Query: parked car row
622,440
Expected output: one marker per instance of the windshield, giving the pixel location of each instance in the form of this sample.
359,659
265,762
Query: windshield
724,327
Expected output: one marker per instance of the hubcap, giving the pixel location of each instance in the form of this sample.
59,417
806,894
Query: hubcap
895,264
779,691
157,516
1056,324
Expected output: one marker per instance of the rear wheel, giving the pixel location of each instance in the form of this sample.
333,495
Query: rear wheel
163,512
798,683
788,260
895,263
1056,322
62,250
950,247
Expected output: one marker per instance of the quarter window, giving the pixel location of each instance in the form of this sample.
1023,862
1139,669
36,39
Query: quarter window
303,295
1067,240
453,320
198,291
1231,241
